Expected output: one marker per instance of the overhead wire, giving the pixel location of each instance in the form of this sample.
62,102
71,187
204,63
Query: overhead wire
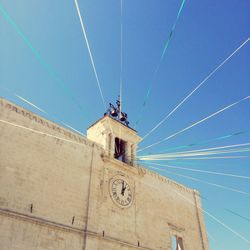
77,131
95,75
210,215
202,171
182,154
166,45
203,153
214,218
237,214
92,61
173,29
47,67
41,110
207,158
121,59
195,89
201,181
31,104
204,164
90,53
121,69
208,149
196,123
218,157
226,209
40,132
205,141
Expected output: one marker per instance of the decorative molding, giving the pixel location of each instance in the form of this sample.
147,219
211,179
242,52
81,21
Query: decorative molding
125,166
176,228
67,228
135,169
143,171
38,220
42,121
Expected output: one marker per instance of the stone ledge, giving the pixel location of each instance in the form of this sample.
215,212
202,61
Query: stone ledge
46,123
142,171
44,222
176,228
121,164
165,179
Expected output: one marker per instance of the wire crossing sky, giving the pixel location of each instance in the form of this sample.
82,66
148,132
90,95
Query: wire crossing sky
90,54
41,110
201,181
216,219
223,137
232,212
196,123
50,69
172,30
159,64
204,150
30,103
121,69
202,171
194,90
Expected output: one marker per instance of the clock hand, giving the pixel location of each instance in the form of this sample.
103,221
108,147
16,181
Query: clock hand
122,191
123,188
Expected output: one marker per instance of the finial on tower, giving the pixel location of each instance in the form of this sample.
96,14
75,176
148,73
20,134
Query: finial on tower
115,112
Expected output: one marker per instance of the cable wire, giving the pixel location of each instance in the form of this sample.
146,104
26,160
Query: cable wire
166,45
206,141
202,171
195,89
201,181
196,123
215,219
200,150
40,109
202,153
121,62
90,54
47,67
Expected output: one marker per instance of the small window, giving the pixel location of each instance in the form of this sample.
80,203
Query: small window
120,149
177,243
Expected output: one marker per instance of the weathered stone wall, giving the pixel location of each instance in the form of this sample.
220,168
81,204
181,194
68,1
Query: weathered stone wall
66,177
50,174
161,208
25,232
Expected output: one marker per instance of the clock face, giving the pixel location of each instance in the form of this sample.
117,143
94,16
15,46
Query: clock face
121,192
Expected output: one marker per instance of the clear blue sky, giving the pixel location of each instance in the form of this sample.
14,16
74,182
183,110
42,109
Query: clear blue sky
206,33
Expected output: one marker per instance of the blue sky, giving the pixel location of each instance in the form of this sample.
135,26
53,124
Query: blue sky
206,33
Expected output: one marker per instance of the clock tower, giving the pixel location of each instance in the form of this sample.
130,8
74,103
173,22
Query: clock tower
109,201
114,134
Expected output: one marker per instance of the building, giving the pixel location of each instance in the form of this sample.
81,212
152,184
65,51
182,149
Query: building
62,191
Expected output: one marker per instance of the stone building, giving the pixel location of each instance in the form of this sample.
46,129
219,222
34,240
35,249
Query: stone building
62,191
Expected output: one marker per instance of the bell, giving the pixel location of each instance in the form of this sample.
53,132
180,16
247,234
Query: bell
123,117
113,112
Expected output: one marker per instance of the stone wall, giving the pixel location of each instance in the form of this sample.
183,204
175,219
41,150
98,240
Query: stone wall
54,194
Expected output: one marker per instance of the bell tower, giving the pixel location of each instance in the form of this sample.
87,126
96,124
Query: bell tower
114,134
